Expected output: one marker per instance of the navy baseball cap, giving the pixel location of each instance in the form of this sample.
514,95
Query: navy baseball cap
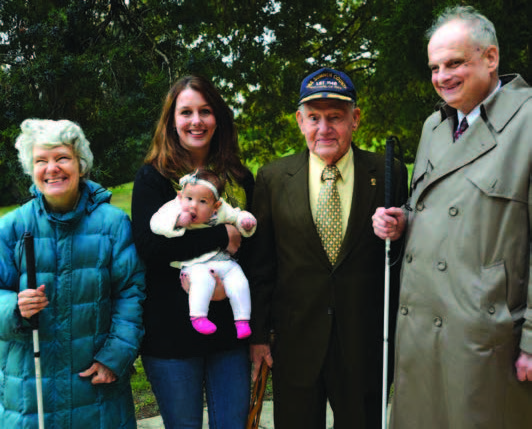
327,83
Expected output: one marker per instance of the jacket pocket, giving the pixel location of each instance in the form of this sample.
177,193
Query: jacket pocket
495,323
499,184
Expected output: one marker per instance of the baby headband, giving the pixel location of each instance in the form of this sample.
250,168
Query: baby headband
192,179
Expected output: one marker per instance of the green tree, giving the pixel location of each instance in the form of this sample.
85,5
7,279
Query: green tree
106,64
399,95
81,61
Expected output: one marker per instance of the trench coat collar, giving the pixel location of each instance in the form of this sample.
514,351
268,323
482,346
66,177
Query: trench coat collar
500,108
445,157
364,190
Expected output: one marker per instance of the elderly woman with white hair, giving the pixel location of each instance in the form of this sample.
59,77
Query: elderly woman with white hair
89,295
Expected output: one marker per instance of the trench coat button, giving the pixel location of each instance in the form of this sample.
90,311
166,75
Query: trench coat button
408,258
438,322
420,206
491,309
404,310
453,211
442,265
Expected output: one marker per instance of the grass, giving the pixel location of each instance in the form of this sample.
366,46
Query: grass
122,197
145,403
6,209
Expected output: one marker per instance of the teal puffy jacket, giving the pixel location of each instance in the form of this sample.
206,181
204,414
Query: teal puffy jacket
94,282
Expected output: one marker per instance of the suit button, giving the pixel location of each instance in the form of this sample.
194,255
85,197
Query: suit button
408,258
438,322
442,265
330,311
404,310
491,309
420,206
453,211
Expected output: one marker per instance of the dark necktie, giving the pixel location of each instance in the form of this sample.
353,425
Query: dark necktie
329,214
461,129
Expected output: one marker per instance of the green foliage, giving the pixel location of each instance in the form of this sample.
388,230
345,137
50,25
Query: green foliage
259,144
107,64
399,95
81,61
14,183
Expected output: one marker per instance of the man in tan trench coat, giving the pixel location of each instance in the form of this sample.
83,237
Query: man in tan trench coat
464,327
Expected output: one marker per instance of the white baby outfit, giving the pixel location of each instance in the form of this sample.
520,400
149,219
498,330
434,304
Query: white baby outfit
202,282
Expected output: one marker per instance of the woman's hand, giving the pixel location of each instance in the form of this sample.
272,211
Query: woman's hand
32,301
235,239
100,374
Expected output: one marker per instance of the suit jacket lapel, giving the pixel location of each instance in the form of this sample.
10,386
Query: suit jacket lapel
298,204
364,192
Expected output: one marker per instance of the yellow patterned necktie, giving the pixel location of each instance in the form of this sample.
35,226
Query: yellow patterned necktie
329,214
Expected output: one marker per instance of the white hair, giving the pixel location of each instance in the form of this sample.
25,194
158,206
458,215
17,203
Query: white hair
481,29
48,133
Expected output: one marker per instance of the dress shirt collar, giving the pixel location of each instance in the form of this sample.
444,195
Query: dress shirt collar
475,113
317,164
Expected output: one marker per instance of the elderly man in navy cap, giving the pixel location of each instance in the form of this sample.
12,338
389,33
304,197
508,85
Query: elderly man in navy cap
317,273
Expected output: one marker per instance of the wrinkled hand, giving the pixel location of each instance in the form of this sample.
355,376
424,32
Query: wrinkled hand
32,301
248,223
100,374
234,239
258,353
523,365
389,223
219,289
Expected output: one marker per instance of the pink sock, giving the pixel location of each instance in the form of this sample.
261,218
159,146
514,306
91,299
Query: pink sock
203,325
242,329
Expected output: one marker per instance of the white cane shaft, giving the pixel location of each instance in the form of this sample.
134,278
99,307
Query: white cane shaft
385,336
38,377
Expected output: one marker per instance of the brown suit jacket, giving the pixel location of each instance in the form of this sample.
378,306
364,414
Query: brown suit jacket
297,292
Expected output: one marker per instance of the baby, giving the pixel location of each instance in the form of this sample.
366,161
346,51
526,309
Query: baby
198,205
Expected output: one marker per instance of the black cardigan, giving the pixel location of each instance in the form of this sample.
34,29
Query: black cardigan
169,333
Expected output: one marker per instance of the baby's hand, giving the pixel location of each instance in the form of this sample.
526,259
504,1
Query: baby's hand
183,220
248,223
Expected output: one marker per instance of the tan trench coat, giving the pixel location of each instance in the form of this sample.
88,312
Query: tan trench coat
465,282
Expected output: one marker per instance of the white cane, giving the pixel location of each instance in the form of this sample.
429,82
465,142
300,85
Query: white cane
388,190
385,336
34,320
